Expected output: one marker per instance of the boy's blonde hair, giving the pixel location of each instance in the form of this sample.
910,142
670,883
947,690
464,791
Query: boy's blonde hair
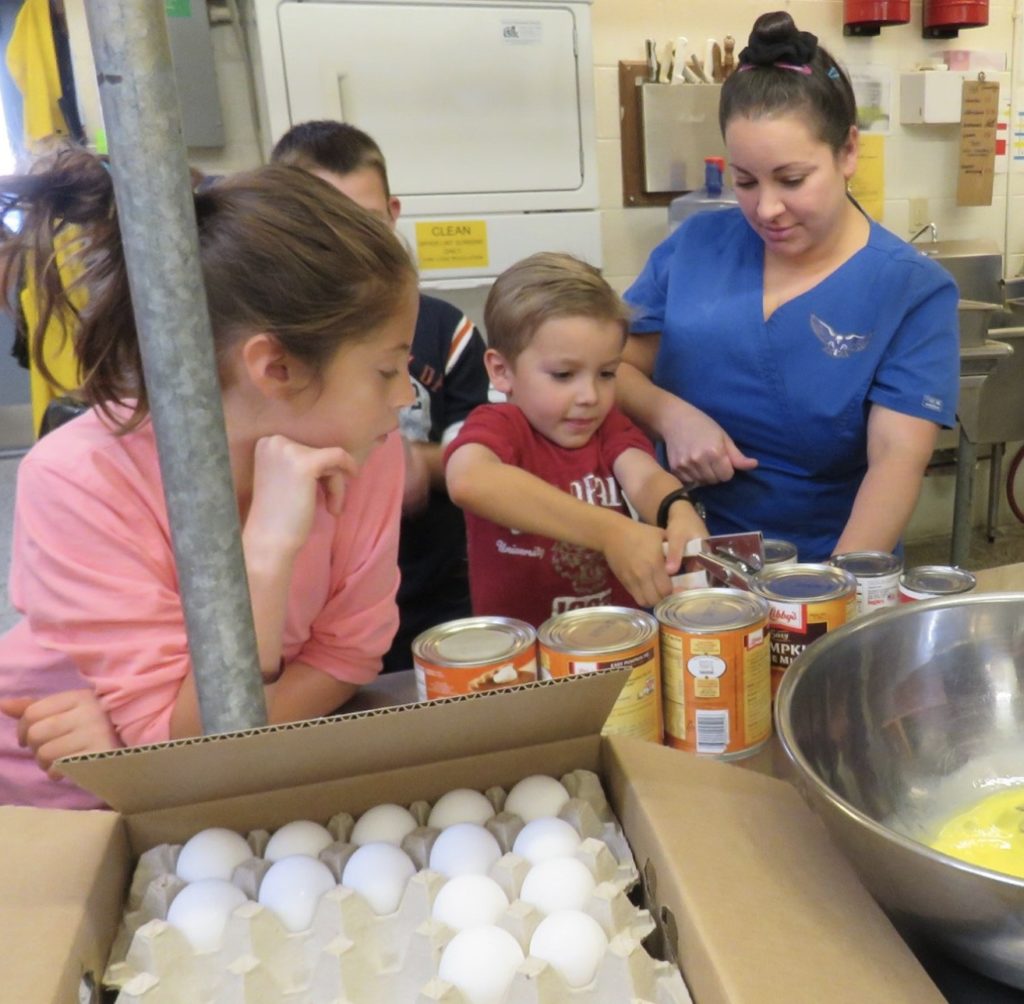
543,287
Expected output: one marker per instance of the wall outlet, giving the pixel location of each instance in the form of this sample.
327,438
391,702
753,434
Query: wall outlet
919,216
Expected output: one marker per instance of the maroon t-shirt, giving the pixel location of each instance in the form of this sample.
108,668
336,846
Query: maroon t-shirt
525,575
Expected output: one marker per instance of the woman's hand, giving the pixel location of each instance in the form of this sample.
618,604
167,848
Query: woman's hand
698,450
286,478
62,724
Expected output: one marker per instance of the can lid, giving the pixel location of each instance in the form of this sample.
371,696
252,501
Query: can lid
473,641
776,550
796,583
938,579
597,629
868,564
708,610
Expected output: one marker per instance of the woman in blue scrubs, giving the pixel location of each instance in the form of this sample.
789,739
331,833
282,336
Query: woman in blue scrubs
796,358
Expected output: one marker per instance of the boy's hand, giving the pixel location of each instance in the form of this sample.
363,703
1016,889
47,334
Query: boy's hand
416,492
61,725
635,553
684,525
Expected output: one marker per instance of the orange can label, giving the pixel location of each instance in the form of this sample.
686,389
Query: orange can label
717,689
637,711
473,655
449,681
794,626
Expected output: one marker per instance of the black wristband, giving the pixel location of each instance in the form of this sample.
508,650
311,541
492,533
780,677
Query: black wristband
679,495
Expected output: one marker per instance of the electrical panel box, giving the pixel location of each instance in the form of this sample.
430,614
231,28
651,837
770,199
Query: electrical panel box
195,74
484,112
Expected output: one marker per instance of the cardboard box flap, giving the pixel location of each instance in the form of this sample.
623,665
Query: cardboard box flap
284,756
754,892
63,874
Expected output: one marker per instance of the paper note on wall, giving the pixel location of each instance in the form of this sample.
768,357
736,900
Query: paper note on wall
867,185
978,117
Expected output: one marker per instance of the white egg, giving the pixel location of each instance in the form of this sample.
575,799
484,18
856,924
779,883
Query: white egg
383,824
558,884
481,962
462,805
469,901
536,796
212,854
292,888
201,911
464,849
301,836
379,873
573,943
545,838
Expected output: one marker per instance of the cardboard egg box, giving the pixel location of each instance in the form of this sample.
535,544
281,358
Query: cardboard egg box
385,958
753,903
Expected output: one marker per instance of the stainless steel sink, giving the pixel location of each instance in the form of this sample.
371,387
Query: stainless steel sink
976,265
975,317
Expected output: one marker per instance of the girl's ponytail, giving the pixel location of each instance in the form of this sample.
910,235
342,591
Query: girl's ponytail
61,238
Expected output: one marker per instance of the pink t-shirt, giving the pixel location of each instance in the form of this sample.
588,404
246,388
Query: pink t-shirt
93,572
526,575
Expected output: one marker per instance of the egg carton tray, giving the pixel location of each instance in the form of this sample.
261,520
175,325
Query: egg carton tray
349,955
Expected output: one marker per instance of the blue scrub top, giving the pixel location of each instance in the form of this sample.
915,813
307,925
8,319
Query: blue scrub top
794,391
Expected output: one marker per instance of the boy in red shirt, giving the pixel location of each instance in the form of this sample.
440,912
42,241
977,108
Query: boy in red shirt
548,479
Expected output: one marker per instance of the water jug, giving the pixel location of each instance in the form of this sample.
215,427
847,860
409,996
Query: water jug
714,195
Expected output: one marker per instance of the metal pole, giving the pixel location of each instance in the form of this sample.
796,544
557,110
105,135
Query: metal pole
157,218
966,459
995,480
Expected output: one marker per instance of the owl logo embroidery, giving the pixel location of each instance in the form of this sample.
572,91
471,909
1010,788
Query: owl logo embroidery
836,345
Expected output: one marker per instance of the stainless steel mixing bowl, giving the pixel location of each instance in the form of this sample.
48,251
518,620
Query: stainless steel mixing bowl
895,723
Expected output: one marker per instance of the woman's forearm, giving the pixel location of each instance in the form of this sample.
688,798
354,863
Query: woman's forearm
652,408
899,448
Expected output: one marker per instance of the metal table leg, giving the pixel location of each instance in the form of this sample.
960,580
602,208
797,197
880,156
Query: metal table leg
966,458
995,481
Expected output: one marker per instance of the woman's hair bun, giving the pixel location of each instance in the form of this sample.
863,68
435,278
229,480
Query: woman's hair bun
776,39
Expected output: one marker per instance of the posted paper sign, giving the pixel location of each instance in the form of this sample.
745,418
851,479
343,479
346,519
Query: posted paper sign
867,186
978,119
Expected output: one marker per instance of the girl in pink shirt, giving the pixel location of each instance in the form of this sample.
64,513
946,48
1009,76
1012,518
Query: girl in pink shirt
313,303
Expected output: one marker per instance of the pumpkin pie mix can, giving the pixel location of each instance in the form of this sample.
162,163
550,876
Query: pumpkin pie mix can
594,639
472,655
716,672
805,601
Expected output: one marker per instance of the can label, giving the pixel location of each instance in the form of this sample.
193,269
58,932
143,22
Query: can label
877,593
474,655
878,578
805,601
715,672
618,639
794,626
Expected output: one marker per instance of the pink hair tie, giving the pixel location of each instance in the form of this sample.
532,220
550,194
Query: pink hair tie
803,69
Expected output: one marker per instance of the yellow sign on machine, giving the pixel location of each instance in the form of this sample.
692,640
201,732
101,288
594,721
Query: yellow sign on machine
443,244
